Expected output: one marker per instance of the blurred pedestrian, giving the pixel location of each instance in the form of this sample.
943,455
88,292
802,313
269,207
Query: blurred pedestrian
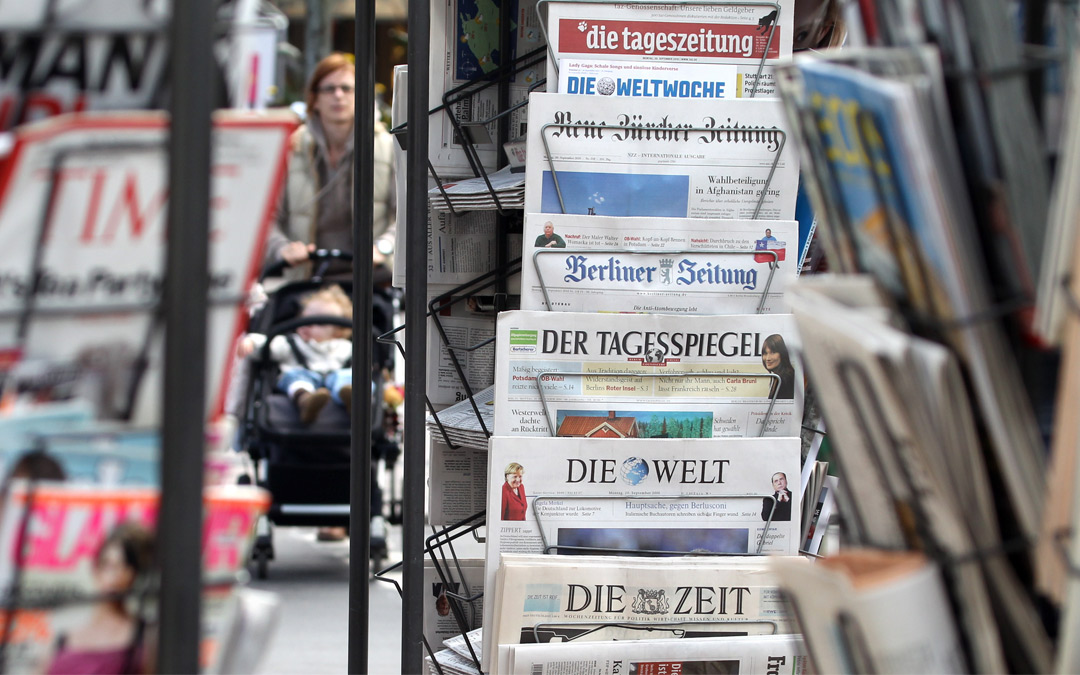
317,200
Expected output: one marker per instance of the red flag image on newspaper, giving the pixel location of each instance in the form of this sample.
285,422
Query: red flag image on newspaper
769,243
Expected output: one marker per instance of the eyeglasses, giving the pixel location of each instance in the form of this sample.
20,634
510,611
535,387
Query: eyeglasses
331,88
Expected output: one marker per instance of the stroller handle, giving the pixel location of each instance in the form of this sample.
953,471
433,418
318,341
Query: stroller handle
292,324
320,255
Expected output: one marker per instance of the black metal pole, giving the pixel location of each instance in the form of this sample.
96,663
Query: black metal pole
412,603
363,217
185,303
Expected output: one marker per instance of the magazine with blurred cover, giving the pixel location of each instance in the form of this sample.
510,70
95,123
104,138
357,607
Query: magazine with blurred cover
746,36
656,265
887,142
672,158
51,537
102,265
895,602
655,375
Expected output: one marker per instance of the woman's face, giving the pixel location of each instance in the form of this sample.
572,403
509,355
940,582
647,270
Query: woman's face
112,572
770,358
335,102
514,480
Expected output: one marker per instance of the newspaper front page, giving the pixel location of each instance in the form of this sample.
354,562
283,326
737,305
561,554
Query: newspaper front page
593,598
647,376
656,265
672,158
752,655
746,36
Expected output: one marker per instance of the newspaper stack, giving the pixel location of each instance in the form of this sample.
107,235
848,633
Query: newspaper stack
457,658
450,662
899,412
506,191
460,421
754,655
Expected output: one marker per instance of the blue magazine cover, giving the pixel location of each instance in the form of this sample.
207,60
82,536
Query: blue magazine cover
885,202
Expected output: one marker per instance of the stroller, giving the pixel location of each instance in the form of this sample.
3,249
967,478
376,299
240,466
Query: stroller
306,468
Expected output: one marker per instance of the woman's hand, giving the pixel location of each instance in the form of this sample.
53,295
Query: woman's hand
296,252
245,346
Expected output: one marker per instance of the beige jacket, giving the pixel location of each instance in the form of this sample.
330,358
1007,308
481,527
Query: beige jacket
316,201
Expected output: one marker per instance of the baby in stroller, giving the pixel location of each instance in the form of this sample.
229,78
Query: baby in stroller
313,360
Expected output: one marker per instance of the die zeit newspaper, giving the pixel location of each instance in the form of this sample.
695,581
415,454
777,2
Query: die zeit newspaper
695,265
750,655
673,158
746,36
620,495
595,598
647,376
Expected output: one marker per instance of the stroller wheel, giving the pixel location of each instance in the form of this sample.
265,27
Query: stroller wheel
262,564
262,553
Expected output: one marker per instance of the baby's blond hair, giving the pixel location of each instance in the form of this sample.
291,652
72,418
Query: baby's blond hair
332,295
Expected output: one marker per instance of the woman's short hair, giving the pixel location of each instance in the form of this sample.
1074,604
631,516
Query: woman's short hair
513,467
331,64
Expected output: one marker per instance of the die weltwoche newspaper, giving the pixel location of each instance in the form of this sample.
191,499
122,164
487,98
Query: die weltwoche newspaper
672,158
649,375
751,655
657,265
606,495
596,598
745,36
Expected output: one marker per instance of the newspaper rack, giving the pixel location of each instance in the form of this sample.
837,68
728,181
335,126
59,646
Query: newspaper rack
764,291
673,628
444,301
579,373
710,3
434,547
473,133
623,127
548,548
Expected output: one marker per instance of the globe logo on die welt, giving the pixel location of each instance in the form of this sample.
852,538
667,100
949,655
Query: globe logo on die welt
634,470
